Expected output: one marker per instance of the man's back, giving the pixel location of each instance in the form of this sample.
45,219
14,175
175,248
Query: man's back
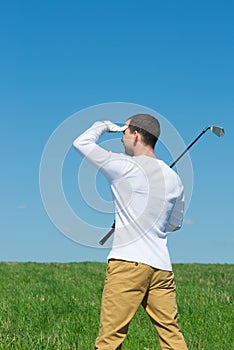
145,192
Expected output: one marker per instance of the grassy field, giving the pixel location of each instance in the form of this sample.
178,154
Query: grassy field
56,306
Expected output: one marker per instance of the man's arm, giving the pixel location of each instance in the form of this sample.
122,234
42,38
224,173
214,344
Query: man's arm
177,215
86,144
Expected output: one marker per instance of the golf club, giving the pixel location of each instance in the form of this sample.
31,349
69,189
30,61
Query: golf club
218,131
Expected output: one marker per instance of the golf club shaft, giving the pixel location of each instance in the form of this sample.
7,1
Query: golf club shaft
106,237
191,144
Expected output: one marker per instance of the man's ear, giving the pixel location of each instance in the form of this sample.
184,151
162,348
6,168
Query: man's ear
136,136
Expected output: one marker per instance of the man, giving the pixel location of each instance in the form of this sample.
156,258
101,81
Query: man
148,199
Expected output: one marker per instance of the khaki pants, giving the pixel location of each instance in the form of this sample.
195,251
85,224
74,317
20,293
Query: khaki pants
129,285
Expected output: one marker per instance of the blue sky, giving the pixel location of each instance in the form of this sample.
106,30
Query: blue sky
60,57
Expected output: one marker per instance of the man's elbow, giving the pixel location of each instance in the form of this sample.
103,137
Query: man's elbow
77,143
172,227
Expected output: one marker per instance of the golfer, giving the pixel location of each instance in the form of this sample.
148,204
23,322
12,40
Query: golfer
149,201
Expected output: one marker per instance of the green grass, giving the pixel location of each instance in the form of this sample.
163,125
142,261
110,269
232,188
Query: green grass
56,306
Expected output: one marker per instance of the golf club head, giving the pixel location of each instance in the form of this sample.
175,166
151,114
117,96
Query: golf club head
217,130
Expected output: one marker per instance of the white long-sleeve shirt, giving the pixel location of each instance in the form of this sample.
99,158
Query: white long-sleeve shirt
148,200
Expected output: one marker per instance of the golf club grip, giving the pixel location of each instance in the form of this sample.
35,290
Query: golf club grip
107,236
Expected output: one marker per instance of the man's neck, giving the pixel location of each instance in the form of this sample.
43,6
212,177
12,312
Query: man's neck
144,151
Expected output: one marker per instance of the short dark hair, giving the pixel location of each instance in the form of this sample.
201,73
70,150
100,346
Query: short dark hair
147,126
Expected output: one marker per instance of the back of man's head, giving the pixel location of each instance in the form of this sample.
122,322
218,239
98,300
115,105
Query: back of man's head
148,126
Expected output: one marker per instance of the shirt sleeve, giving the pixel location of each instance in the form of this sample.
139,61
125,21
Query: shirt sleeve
176,218
112,165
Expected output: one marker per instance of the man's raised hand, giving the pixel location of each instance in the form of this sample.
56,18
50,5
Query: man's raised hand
114,127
